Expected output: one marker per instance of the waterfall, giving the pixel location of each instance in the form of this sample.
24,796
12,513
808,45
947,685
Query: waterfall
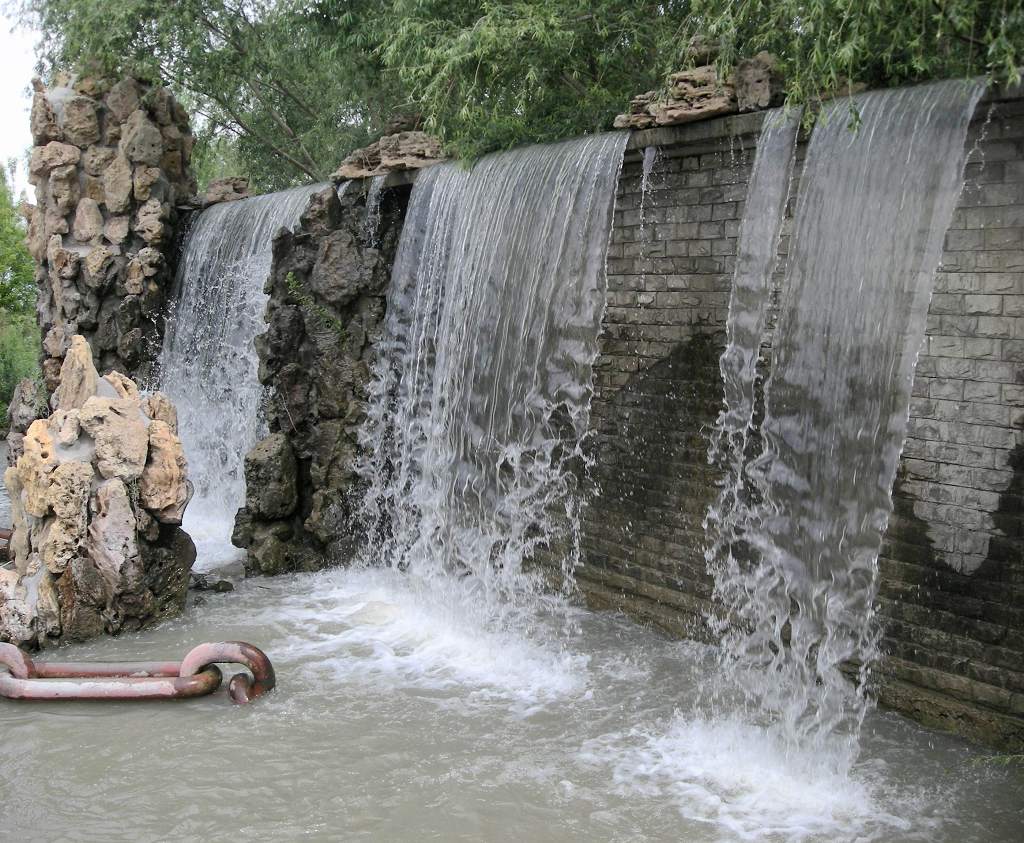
208,365
871,216
482,392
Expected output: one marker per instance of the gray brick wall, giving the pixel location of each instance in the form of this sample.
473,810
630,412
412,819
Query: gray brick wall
952,567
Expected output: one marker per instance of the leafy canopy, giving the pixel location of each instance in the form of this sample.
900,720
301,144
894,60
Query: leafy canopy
285,88
17,281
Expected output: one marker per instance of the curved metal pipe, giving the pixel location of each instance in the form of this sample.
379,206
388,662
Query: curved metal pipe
242,688
112,688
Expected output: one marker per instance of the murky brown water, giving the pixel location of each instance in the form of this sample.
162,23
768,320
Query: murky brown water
393,722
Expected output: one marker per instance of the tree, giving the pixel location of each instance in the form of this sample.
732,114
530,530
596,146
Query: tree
17,284
19,335
289,86
284,81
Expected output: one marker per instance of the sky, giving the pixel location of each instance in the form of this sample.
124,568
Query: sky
17,67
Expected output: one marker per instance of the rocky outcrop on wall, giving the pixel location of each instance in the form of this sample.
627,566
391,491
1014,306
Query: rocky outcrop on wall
392,153
110,165
327,288
701,93
97,499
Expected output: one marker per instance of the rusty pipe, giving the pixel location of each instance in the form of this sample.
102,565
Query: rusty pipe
112,688
242,688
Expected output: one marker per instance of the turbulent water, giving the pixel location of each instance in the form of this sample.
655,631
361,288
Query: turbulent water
209,365
872,211
482,392
393,722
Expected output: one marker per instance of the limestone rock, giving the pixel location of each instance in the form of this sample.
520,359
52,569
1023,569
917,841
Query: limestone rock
141,141
164,489
35,465
54,154
149,222
116,230
78,376
340,272
27,402
123,99
111,542
695,94
403,151
159,408
226,190
759,83
117,185
122,385
68,497
43,119
96,159
64,188
81,123
119,430
88,225
270,477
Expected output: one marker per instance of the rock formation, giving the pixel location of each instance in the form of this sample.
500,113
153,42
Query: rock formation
226,190
327,288
401,151
699,93
110,167
97,499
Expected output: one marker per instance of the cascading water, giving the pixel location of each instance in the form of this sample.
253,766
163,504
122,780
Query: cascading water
482,392
873,208
209,365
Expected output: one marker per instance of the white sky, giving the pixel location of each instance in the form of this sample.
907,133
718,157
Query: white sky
17,64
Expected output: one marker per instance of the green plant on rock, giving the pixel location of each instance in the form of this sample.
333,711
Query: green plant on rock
321,315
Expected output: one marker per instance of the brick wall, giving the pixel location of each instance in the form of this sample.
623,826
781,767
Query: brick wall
952,568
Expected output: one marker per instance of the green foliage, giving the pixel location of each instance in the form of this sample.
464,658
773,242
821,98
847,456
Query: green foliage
17,285
825,44
282,79
19,353
283,89
320,315
489,75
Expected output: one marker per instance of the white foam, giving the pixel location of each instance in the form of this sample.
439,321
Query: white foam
745,784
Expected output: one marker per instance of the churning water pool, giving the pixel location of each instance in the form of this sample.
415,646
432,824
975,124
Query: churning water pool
394,720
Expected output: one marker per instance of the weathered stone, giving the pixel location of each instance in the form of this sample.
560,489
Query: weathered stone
63,262
123,99
112,542
123,386
35,465
117,185
149,222
81,124
68,496
759,83
115,230
56,341
159,408
64,188
43,119
78,376
54,154
695,94
88,225
120,432
92,188
404,151
340,273
27,403
226,190
164,488
96,159
270,477
161,105
141,141
149,182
